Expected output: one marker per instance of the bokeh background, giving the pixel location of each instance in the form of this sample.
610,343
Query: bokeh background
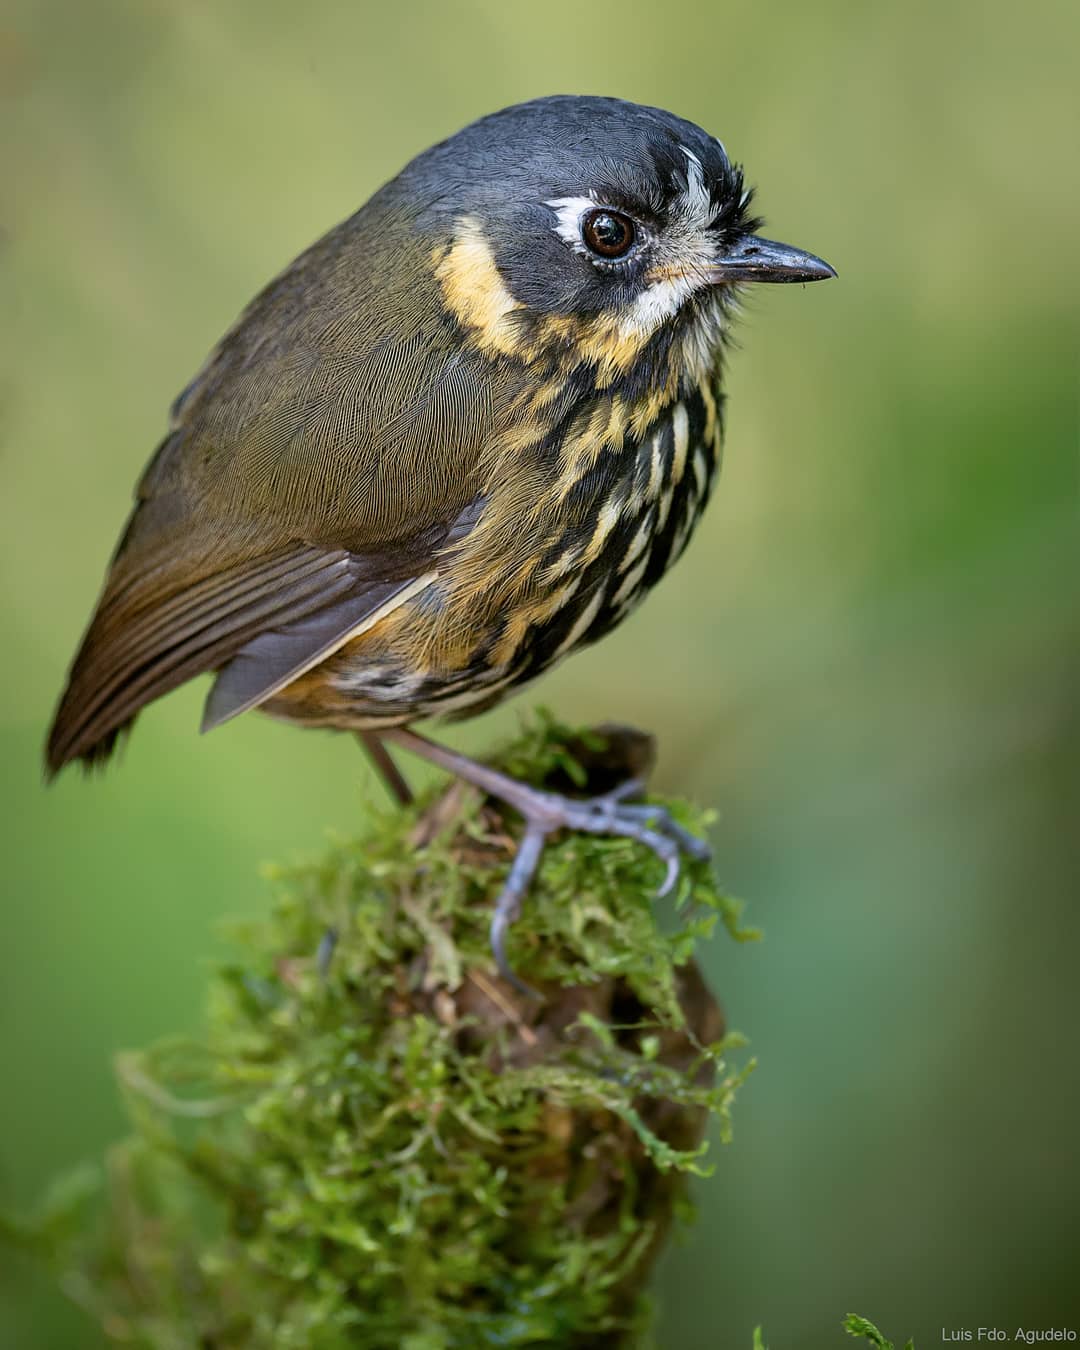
868,661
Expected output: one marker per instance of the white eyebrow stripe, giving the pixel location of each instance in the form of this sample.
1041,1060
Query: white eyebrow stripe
568,213
698,203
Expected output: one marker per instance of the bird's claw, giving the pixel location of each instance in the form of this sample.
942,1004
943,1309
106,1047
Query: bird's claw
689,843
547,812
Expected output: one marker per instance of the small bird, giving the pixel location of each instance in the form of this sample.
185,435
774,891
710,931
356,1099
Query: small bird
458,438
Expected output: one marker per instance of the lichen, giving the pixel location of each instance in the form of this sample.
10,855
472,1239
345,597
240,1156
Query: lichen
379,1143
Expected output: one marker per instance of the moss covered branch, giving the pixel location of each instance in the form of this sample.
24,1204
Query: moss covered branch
377,1142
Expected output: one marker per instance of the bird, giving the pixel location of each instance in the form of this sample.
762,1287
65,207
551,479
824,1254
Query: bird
458,438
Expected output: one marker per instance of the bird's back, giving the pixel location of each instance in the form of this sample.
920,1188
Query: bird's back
325,448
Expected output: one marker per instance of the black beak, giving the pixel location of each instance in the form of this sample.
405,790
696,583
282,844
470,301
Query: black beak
756,259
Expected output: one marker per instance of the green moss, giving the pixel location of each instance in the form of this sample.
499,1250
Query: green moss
391,1147
855,1325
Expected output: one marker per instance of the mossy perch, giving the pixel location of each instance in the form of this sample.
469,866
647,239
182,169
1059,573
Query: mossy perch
383,1145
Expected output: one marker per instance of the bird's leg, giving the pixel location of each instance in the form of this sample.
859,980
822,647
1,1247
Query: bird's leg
508,905
389,771
544,813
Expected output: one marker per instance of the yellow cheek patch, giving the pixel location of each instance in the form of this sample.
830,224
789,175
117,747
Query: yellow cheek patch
476,295
474,292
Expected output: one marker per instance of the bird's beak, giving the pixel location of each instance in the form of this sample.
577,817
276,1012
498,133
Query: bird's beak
757,259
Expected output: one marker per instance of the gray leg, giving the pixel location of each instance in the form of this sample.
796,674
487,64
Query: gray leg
508,905
544,813
391,774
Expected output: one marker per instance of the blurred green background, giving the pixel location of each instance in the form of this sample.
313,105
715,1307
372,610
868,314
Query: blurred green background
868,661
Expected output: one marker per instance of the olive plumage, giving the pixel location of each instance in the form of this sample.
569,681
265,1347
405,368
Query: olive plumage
460,436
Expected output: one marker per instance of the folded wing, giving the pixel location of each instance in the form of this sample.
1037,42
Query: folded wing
265,621
336,440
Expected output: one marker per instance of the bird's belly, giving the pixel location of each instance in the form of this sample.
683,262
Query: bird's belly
450,654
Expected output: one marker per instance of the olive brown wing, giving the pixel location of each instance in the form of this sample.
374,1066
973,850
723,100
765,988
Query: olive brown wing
264,621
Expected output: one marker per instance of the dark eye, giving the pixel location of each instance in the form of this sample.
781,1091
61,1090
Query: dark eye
608,233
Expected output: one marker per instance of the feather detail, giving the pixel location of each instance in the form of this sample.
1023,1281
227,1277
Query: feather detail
135,650
275,658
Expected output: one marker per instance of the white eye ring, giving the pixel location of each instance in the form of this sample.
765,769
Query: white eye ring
571,215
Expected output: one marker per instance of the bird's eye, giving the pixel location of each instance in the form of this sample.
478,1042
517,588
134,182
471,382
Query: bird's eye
608,233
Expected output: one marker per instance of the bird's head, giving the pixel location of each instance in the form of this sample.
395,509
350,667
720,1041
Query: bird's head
594,230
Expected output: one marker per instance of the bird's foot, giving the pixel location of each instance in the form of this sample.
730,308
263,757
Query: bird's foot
611,814
546,812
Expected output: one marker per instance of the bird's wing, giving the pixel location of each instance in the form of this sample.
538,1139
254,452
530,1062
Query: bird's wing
282,654
285,612
327,452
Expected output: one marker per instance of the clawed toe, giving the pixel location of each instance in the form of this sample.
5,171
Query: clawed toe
508,905
663,821
547,812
